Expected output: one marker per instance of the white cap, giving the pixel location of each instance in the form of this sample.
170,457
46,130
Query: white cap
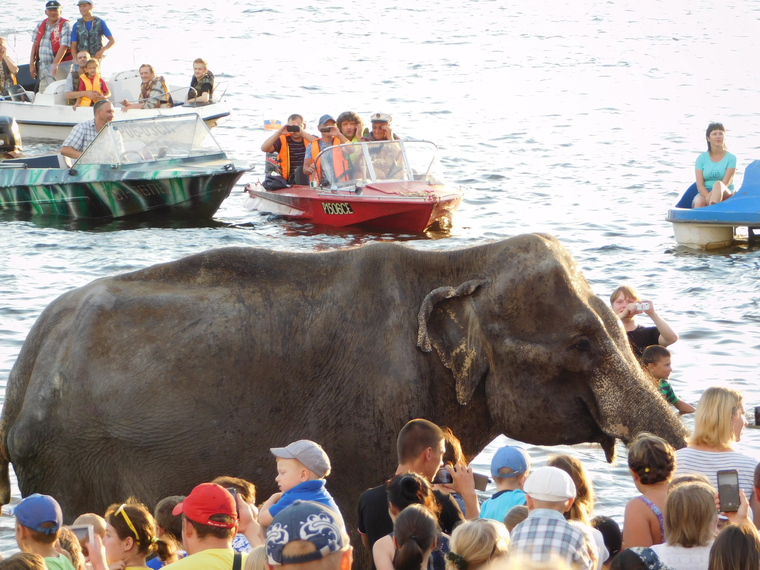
550,484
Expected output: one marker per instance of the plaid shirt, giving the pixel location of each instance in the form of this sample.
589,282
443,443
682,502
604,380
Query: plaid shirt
82,135
46,54
546,533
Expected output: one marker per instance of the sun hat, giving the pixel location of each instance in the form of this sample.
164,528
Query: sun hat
307,452
35,510
205,501
381,118
324,118
307,521
513,457
550,484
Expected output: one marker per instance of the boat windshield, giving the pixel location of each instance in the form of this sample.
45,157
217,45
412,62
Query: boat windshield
380,161
143,140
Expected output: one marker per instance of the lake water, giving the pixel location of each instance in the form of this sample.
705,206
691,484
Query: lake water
580,119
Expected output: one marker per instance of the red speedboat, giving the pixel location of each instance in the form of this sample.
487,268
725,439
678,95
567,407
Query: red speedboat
385,185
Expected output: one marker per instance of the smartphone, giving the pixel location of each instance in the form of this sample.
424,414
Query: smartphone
728,490
84,532
233,492
481,481
442,477
293,128
325,129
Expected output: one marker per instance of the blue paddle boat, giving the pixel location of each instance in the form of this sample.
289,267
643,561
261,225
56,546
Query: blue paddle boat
715,226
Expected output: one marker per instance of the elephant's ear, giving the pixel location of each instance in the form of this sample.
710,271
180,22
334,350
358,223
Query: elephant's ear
449,329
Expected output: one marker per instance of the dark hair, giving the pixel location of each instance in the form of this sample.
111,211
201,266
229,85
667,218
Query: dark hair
143,522
172,524
628,560
613,538
415,437
453,454
411,489
415,531
70,543
737,547
98,104
204,530
24,561
713,127
244,488
294,117
652,458
654,353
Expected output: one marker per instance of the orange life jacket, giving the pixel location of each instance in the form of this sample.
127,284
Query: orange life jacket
55,39
93,85
340,166
284,155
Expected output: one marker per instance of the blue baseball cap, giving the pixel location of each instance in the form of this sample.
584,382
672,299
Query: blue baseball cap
324,118
516,458
35,510
305,521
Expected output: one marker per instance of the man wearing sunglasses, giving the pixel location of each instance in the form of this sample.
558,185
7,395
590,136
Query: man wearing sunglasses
209,523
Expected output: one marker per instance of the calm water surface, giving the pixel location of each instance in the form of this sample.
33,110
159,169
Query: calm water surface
582,120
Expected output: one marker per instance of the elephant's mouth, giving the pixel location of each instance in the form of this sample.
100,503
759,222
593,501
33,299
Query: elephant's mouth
606,440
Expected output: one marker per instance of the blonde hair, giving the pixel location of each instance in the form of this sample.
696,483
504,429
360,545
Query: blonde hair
202,61
515,516
627,290
478,542
690,515
712,422
257,559
584,492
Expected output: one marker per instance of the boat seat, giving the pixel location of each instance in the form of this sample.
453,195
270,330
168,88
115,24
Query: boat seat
45,161
17,93
59,88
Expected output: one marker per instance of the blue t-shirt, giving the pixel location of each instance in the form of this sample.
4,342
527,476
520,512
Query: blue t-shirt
715,171
106,32
497,507
313,490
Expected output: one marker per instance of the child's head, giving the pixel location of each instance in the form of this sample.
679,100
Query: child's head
410,489
257,559
550,488
302,460
130,529
92,67
515,516
736,548
477,542
687,478
656,358
510,462
690,515
69,543
166,521
651,458
613,538
38,520
414,532
584,491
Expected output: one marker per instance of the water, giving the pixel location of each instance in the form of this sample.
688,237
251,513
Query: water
582,120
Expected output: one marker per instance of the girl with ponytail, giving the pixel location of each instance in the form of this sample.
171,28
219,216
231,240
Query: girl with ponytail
414,535
130,536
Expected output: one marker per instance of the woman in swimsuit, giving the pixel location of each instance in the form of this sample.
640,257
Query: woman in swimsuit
651,461
715,169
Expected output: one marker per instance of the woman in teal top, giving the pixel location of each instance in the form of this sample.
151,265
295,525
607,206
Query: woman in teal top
715,169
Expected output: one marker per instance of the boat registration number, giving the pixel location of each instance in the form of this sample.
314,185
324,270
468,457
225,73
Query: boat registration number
337,208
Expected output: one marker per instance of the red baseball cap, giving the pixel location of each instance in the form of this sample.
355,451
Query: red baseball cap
207,500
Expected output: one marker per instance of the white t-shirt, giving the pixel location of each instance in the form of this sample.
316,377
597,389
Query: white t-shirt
708,463
681,558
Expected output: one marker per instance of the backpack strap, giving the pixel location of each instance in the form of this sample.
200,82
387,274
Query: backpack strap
237,561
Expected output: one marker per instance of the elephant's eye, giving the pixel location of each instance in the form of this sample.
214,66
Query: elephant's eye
583,344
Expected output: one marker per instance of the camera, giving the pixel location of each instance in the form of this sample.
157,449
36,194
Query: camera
324,129
442,477
293,128
643,306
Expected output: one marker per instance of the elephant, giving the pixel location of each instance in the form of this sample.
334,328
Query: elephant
148,383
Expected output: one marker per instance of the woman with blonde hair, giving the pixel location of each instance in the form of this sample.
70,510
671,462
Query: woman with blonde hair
476,543
718,426
691,523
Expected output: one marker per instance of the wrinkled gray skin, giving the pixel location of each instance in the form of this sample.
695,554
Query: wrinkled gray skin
149,383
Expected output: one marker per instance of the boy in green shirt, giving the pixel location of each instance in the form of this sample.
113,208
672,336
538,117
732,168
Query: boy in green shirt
38,523
657,360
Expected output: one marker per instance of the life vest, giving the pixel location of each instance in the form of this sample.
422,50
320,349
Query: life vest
195,83
7,73
55,40
284,155
93,85
340,166
89,40
146,88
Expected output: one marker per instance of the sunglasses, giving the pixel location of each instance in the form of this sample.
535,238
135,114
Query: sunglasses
129,522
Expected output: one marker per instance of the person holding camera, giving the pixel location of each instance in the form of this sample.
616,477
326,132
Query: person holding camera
289,143
627,304
331,136
8,69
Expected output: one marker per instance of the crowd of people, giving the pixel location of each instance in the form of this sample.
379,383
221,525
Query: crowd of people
427,516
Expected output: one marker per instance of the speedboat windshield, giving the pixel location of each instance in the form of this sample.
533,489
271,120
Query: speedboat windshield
380,161
141,140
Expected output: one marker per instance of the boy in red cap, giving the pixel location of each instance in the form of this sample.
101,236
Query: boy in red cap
209,523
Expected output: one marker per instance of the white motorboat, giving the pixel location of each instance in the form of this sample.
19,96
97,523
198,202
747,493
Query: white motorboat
46,116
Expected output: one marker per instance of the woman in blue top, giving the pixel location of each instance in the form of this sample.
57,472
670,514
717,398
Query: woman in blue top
715,169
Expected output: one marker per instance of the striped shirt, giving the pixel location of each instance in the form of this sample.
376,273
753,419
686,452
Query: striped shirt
667,392
546,533
708,463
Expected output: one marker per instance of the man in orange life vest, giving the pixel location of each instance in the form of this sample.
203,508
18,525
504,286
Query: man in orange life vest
50,50
331,136
290,143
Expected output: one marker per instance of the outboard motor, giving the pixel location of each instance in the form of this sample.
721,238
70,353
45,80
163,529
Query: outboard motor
10,137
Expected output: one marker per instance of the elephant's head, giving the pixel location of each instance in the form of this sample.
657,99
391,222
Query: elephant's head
554,358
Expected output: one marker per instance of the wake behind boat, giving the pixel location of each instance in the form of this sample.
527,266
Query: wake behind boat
385,185
46,116
169,166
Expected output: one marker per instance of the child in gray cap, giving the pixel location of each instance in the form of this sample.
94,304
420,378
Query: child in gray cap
301,470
